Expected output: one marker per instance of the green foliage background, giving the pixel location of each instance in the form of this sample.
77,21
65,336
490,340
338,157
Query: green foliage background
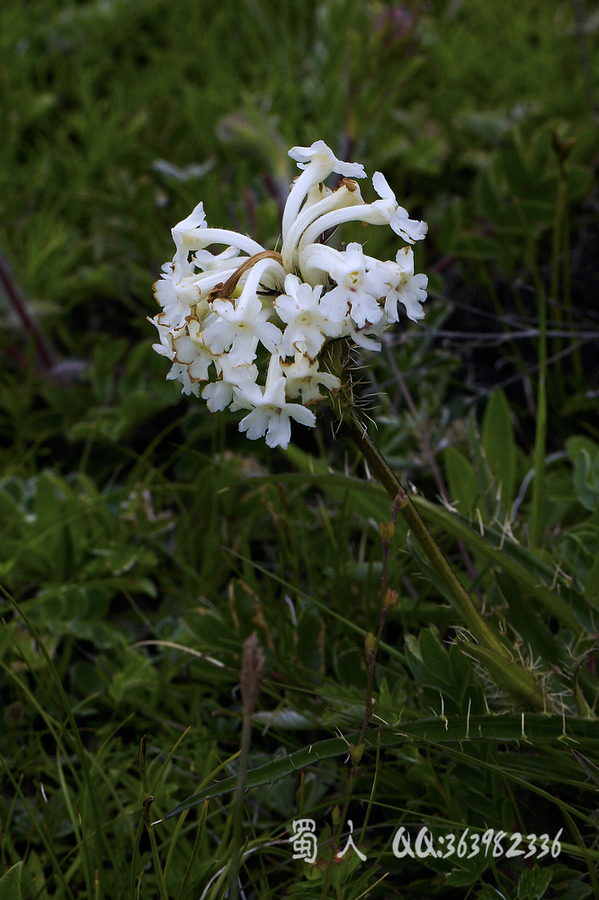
142,540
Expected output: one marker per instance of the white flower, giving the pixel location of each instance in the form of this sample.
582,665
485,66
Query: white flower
271,414
321,159
179,372
385,211
210,262
217,308
165,347
237,328
240,325
318,161
192,352
193,234
181,266
307,326
176,308
219,394
391,212
304,378
406,288
358,290
196,219
360,336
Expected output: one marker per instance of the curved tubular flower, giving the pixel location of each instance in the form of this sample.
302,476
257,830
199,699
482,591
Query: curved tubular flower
347,194
271,274
271,413
209,262
195,220
200,237
318,161
410,230
385,211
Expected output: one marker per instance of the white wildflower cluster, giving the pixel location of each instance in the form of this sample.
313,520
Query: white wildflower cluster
218,309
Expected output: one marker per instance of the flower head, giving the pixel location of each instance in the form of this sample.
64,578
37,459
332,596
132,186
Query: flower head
223,312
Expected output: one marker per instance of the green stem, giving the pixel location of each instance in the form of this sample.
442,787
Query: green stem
460,599
145,813
491,652
538,487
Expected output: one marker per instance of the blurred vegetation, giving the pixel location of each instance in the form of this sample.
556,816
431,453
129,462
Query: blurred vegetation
143,540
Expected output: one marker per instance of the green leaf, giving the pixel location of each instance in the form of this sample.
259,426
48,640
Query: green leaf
463,484
591,585
524,216
542,581
579,182
537,727
487,195
539,151
534,883
499,445
464,877
587,766
515,167
10,883
435,658
526,621
507,675
429,663
489,893
586,479
489,126
106,357
482,469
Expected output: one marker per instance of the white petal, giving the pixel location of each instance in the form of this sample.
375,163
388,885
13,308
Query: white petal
279,431
255,424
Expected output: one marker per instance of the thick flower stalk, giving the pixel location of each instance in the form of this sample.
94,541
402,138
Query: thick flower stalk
247,328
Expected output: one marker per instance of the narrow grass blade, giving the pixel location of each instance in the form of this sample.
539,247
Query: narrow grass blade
531,727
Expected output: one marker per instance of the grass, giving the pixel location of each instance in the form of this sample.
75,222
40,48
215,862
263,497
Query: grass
144,540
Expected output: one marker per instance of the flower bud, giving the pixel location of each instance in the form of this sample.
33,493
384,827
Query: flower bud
390,598
386,531
356,753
